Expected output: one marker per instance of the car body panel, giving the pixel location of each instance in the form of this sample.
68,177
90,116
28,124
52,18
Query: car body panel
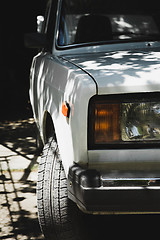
124,71
74,74
114,72
54,81
124,159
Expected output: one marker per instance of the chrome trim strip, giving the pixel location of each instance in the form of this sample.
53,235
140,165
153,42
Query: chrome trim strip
130,182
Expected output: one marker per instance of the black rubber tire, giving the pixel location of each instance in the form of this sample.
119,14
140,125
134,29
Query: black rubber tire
59,217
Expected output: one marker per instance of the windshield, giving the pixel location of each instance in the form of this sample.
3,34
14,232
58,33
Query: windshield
88,21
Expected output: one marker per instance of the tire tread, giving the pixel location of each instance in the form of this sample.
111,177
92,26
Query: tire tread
55,211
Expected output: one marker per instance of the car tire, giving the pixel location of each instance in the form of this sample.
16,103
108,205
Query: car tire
59,217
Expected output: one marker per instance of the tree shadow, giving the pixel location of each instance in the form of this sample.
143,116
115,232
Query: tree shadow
18,194
122,70
19,137
21,219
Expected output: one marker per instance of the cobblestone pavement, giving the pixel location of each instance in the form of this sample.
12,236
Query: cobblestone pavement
18,174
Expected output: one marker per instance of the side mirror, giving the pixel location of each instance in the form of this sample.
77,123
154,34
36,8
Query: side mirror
38,39
35,40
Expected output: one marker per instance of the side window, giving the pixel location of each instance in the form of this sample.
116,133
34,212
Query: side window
50,22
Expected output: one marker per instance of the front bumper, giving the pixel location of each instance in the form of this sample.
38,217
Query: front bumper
102,194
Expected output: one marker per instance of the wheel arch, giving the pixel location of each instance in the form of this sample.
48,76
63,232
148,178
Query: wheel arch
48,127
51,129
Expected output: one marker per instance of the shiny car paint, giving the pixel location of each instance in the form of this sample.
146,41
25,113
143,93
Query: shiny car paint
75,78
76,74
55,81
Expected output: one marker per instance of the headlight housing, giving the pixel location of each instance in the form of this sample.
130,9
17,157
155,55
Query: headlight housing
123,121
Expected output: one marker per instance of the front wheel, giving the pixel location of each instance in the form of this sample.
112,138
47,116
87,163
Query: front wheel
59,217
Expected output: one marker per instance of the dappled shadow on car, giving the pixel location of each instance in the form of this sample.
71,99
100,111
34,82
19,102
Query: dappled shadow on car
122,69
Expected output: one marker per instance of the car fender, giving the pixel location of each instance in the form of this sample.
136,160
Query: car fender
65,82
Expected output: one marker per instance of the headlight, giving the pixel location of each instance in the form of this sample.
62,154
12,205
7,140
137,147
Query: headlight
124,121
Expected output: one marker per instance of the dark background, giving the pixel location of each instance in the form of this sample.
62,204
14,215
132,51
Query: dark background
17,18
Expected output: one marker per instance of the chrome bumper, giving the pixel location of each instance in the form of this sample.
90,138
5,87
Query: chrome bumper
104,194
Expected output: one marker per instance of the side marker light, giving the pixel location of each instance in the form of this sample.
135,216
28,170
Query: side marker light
66,109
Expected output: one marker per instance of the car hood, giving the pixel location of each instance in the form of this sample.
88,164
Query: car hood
122,71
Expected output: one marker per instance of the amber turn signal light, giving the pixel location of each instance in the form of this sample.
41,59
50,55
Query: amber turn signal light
107,126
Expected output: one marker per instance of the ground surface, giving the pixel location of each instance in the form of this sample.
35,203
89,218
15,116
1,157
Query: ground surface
18,208
18,174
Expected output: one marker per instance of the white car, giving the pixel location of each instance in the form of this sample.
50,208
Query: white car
95,94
